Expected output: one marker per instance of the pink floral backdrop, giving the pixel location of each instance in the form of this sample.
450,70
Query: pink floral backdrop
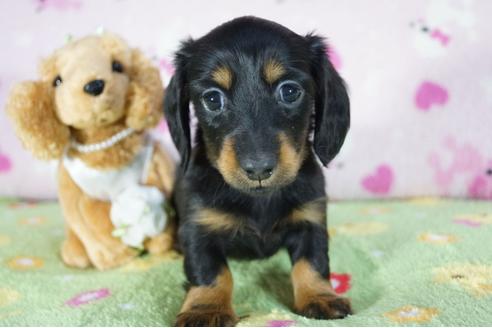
419,73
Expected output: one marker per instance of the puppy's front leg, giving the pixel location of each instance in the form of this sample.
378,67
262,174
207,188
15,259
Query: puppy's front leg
313,295
209,300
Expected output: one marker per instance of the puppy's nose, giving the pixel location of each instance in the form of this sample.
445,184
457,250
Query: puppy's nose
259,169
94,88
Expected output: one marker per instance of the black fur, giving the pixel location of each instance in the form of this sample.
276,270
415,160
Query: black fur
254,117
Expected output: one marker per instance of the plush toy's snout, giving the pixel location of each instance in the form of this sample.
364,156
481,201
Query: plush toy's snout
94,88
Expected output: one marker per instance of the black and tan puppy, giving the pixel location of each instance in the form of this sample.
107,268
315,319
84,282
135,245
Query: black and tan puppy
252,184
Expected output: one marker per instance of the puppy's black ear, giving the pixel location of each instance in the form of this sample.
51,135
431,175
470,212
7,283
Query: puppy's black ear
177,105
332,106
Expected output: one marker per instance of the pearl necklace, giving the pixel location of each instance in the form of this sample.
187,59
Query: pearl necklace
110,142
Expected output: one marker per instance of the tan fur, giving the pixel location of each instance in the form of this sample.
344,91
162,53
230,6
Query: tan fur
307,283
89,220
161,175
289,162
117,156
273,71
312,212
146,96
210,304
47,117
162,171
80,62
227,162
222,76
163,242
312,291
73,251
30,106
290,159
215,220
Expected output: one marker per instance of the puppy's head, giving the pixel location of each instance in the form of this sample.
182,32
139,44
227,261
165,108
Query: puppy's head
255,87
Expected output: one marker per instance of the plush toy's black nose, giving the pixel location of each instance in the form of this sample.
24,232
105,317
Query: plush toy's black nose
94,88
259,169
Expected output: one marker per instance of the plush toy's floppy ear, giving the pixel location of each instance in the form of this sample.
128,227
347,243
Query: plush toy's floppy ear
332,106
177,105
31,108
146,93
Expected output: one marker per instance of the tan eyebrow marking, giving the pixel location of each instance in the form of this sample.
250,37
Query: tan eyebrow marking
222,75
273,70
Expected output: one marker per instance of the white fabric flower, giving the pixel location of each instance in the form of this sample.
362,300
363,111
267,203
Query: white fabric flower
137,213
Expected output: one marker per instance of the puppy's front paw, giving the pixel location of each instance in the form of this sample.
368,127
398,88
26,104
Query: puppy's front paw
206,315
325,306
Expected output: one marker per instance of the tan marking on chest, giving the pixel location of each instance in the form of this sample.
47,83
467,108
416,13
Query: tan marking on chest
216,221
312,212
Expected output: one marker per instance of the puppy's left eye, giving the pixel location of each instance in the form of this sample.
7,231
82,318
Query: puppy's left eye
213,100
289,92
117,66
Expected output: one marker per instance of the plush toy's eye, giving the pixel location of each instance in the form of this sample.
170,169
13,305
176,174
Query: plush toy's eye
289,92
57,81
213,100
117,66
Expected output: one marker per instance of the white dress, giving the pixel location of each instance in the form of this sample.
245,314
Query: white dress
137,211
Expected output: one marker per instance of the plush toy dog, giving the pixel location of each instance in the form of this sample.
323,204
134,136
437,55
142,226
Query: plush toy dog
90,110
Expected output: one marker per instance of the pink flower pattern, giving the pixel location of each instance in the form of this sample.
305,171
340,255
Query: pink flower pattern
88,297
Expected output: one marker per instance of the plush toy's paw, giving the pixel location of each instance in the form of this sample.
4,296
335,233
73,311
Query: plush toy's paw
74,254
325,306
105,258
160,244
206,315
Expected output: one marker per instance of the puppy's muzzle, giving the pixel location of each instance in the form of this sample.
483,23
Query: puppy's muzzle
260,167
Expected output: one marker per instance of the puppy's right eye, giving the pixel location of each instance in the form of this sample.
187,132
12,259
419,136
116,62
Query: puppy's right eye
57,81
213,100
289,92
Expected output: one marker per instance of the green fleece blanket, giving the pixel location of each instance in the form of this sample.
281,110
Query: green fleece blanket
416,262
